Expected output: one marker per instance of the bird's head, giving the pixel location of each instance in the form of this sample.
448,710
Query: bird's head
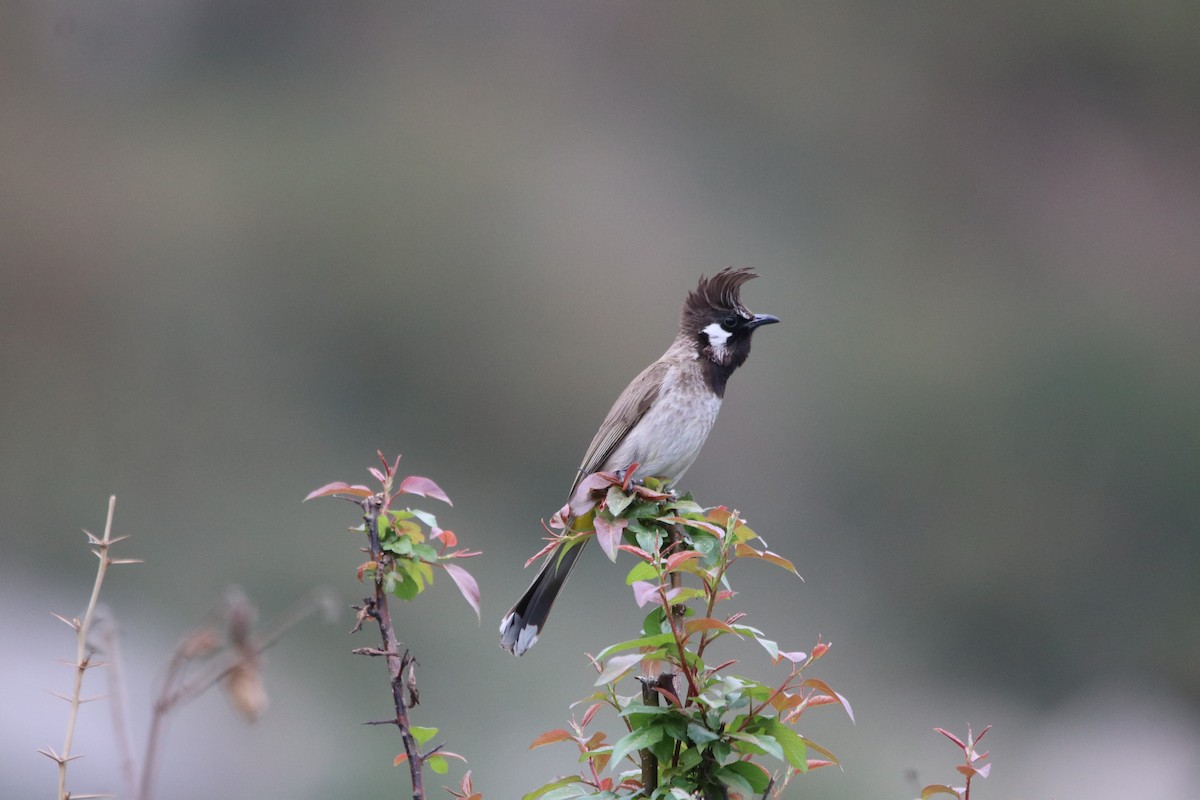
717,322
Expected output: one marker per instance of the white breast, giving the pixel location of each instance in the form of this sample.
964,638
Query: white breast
668,438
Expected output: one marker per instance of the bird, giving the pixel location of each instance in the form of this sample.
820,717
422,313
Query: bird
659,423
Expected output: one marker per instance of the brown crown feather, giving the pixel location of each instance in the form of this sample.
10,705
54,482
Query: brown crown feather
721,292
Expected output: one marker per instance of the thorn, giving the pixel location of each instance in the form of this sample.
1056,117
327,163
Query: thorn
73,623
382,722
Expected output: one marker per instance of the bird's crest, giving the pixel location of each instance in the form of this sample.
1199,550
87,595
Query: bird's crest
721,292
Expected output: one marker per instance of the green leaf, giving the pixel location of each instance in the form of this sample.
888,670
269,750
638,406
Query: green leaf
642,571
636,740
770,646
617,501
689,759
425,553
656,641
734,780
759,744
422,734
403,585
793,746
685,506
402,546
937,788
541,792
437,764
757,777
429,519
698,734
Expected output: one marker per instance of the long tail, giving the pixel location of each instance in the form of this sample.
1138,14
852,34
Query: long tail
521,625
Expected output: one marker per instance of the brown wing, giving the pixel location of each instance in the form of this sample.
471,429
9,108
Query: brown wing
630,407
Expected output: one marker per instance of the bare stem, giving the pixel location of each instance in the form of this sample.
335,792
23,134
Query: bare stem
82,654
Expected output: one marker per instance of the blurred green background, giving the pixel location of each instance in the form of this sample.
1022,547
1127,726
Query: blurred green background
243,245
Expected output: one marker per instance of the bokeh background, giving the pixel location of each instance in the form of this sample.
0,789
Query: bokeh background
243,245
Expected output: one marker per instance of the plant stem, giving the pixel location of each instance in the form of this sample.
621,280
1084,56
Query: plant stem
82,657
372,507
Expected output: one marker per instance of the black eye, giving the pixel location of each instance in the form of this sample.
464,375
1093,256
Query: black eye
730,322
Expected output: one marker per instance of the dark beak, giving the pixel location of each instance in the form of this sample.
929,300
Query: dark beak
762,319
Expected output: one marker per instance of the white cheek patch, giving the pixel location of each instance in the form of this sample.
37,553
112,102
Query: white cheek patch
717,337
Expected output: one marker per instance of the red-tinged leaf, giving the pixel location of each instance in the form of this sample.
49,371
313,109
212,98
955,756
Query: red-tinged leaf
448,754
608,534
937,788
550,546
582,500
415,484
447,537
637,551
720,516
561,518
339,487
780,561
647,493
816,763
707,624
951,737
743,550
707,527
966,770
822,686
980,736
985,769
676,559
671,697
785,700
644,592
550,737
466,584
795,656
820,649
377,474
829,756
591,712
400,759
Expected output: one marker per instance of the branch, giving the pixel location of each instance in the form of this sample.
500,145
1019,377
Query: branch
377,607
83,653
